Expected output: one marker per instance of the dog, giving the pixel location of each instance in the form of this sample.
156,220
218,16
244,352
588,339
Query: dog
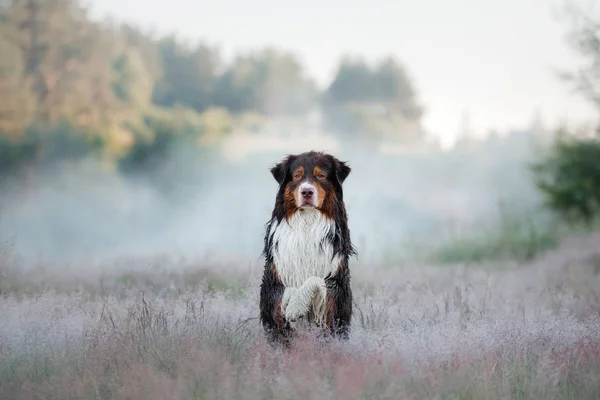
307,245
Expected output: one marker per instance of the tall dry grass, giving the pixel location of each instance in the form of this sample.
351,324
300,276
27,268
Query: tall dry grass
498,331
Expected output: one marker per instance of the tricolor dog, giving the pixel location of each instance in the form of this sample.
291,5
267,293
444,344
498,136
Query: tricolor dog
306,248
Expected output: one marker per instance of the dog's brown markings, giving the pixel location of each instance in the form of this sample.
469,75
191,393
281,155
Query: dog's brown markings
328,204
277,315
330,311
289,200
298,174
319,174
275,273
291,194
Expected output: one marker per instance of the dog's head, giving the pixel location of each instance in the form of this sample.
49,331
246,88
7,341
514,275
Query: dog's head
311,180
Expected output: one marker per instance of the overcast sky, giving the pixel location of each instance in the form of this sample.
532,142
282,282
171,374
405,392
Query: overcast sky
494,59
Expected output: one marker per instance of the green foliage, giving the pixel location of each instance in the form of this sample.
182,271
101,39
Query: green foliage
14,155
64,141
569,175
521,245
46,144
516,238
569,178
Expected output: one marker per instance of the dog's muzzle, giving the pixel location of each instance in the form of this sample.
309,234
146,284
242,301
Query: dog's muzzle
307,195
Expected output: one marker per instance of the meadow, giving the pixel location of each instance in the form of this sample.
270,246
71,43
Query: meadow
506,312
500,330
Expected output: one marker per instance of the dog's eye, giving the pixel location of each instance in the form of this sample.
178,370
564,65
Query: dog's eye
321,177
297,175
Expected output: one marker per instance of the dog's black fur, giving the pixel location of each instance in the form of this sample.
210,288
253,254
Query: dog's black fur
339,292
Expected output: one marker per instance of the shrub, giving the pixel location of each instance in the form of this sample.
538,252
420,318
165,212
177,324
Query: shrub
48,144
569,177
518,236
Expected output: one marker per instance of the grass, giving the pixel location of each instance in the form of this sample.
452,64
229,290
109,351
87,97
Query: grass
184,332
515,242
516,236
143,355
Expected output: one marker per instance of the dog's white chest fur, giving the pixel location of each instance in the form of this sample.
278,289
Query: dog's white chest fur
301,249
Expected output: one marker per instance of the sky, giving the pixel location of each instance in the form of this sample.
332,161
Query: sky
494,61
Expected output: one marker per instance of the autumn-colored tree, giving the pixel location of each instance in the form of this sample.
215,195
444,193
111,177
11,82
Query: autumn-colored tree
65,57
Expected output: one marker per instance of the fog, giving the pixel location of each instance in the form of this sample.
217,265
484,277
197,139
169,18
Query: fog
397,201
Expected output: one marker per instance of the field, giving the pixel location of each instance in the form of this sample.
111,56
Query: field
163,328
504,310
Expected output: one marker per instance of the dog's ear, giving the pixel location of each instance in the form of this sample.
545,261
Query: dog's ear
280,170
341,168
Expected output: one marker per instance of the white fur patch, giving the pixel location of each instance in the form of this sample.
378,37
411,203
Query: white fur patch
300,248
301,251
313,292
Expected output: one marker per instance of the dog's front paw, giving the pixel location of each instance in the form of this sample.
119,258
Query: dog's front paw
288,294
294,311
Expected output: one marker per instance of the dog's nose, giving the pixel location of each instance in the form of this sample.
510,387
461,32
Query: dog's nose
307,193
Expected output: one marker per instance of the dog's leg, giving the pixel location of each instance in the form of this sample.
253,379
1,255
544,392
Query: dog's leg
308,294
288,293
271,314
339,302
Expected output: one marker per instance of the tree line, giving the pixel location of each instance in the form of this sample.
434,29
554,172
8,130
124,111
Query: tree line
59,64
71,86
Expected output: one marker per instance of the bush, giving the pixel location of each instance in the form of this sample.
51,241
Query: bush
569,178
45,145
515,240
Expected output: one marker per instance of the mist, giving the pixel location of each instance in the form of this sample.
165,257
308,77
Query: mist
218,205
